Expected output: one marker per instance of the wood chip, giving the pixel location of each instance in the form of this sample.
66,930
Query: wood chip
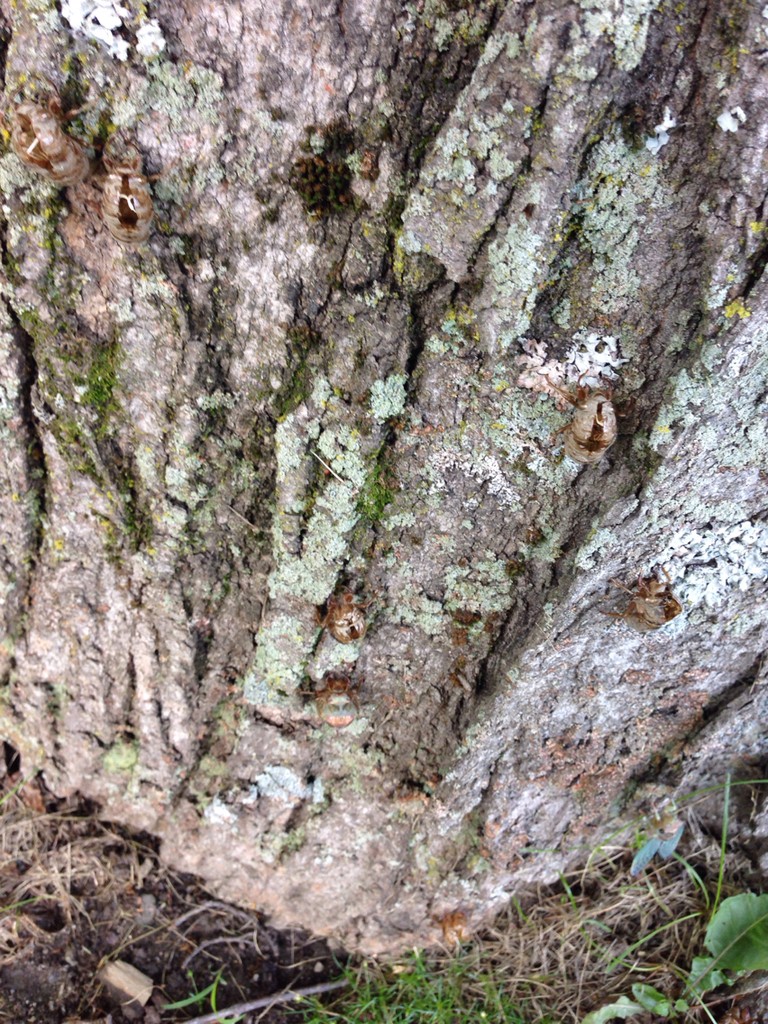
126,983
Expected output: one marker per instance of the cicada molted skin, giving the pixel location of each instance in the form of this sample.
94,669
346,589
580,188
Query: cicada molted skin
40,142
126,202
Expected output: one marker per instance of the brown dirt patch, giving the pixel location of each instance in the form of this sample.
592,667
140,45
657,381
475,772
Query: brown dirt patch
76,893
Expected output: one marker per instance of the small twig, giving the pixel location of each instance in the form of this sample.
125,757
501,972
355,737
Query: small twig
214,905
239,516
230,939
333,472
257,1004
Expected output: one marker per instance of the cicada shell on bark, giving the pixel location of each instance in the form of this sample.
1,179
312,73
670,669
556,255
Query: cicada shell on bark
126,202
40,142
652,606
593,428
337,702
345,620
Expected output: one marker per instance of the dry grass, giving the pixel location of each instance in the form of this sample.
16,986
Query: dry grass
76,892
564,951
562,954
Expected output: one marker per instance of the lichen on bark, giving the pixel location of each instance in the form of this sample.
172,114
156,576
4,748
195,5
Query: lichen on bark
272,402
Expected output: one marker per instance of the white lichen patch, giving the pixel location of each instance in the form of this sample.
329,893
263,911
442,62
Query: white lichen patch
661,133
218,814
150,40
100,21
591,360
731,119
705,563
485,468
278,782
388,397
106,20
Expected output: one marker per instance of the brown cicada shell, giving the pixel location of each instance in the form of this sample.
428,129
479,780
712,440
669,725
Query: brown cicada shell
337,702
40,142
652,606
345,618
126,202
593,428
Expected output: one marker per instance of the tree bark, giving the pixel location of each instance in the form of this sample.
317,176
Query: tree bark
381,229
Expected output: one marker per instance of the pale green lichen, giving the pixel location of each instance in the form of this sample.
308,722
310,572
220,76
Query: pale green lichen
290,448
335,656
332,457
599,540
623,21
216,400
561,314
184,92
520,431
514,259
322,393
276,672
484,586
340,446
619,192
122,311
312,575
420,611
688,395
121,757
715,549
179,480
447,22
388,397
15,176
460,152
508,42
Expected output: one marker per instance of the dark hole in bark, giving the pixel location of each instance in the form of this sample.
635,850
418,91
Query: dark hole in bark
12,758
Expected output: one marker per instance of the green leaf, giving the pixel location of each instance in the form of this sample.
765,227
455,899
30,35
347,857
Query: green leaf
644,856
193,1000
652,1000
621,1009
737,936
704,977
668,846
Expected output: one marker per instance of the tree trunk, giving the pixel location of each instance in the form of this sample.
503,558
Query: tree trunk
383,232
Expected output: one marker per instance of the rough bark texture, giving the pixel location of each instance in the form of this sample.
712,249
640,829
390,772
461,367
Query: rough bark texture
313,379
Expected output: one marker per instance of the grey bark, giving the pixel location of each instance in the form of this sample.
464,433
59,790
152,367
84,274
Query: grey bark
324,373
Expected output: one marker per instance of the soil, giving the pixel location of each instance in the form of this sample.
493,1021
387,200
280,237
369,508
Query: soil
77,893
